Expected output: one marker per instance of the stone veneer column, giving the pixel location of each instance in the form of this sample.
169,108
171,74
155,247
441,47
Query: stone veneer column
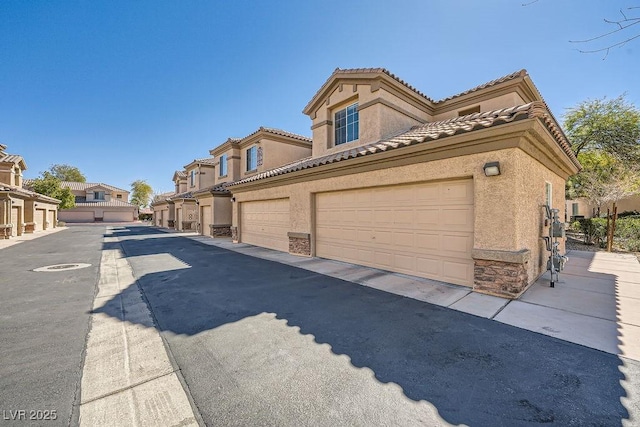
299,243
220,230
234,234
501,273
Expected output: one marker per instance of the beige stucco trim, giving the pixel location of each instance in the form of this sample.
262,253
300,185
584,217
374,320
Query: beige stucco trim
516,257
297,235
375,81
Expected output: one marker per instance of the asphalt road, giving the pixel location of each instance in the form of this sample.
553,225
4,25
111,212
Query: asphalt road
44,320
261,343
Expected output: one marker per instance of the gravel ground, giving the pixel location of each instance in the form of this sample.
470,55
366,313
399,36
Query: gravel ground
576,244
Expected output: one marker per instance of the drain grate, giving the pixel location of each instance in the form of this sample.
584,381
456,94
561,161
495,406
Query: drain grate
62,267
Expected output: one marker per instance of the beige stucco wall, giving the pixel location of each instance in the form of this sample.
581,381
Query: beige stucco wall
587,210
233,165
277,153
451,109
222,210
530,190
206,176
486,190
508,207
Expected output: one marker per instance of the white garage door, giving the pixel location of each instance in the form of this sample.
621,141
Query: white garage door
15,219
265,223
206,215
422,229
40,218
78,216
117,216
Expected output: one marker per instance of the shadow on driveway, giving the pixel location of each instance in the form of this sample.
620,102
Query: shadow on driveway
472,370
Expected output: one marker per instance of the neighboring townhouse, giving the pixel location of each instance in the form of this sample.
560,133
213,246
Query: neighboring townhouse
581,208
451,190
264,149
198,174
21,210
163,210
98,202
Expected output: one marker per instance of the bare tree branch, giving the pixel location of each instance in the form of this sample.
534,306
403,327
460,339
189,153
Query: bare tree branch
637,21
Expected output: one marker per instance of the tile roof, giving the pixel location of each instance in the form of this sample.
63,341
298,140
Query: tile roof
219,188
11,158
180,174
27,193
205,160
80,186
364,71
112,203
497,81
508,77
429,132
185,195
162,198
280,132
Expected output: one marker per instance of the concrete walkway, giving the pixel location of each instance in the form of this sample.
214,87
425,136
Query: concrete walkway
596,302
127,377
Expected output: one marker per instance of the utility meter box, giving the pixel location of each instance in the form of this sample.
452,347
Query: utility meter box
558,229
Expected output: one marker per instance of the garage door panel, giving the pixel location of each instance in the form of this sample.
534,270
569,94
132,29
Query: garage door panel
40,218
404,262
457,271
265,223
422,229
428,266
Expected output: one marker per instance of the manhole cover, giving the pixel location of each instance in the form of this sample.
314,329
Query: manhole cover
63,267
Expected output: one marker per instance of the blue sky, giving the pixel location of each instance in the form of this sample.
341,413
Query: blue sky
130,90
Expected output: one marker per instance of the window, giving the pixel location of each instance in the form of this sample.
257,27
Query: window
192,178
252,158
223,165
469,111
118,196
98,195
548,194
346,124
574,209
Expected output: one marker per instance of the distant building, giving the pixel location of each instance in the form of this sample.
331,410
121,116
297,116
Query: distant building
22,210
97,202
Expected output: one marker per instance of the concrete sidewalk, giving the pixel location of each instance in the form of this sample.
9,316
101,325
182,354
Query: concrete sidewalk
596,302
5,243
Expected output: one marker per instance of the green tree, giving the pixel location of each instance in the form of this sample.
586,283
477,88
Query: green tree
67,173
49,185
141,193
610,126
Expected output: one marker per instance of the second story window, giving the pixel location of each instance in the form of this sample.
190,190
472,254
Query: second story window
192,178
98,195
118,196
252,158
223,165
346,124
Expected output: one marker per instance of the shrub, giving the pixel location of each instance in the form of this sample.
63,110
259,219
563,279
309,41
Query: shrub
628,233
593,229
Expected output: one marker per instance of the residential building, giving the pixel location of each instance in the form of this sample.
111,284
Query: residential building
452,190
98,202
22,210
239,158
581,208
